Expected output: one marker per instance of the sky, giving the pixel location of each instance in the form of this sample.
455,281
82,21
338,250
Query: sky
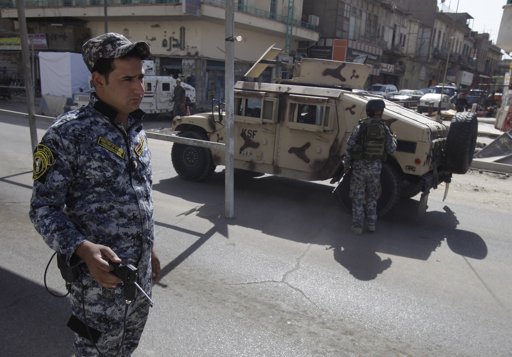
486,14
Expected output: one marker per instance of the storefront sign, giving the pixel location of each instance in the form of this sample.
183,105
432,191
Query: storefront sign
10,43
36,41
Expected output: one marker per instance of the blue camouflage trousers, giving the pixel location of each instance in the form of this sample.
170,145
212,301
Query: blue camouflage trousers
106,311
365,190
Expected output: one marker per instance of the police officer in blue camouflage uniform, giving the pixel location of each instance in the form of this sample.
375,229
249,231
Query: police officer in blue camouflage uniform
368,146
92,198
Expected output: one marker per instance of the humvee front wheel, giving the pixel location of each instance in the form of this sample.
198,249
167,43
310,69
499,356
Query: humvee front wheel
192,162
461,142
390,190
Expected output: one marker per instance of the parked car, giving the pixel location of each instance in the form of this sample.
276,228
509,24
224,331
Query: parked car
426,90
385,90
476,96
430,102
408,98
448,89
407,94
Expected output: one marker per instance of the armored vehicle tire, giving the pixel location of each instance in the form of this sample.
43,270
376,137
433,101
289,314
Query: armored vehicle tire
410,186
461,142
390,186
192,162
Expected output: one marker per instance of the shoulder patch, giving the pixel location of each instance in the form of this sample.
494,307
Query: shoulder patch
43,159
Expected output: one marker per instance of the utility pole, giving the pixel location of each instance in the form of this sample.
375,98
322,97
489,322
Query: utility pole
29,81
105,15
229,108
444,78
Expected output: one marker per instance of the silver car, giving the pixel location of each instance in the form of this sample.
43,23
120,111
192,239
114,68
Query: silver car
431,102
385,90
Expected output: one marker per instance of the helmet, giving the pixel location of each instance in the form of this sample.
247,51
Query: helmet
375,107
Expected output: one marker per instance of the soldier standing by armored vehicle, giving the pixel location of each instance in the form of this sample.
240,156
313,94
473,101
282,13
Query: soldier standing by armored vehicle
368,146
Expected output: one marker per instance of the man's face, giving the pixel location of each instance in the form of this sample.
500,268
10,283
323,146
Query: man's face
124,87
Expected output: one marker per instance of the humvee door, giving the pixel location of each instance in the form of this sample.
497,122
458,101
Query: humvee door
306,134
255,126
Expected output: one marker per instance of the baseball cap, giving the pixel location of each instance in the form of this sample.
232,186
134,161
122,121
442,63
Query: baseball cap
111,45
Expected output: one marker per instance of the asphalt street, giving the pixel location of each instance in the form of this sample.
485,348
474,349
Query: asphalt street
282,279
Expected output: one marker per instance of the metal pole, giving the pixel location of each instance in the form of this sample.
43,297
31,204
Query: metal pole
29,84
230,106
444,80
105,16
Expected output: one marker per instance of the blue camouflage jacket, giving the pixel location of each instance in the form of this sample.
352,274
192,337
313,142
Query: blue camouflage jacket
92,180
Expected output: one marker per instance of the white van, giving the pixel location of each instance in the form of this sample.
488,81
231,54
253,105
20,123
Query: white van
158,95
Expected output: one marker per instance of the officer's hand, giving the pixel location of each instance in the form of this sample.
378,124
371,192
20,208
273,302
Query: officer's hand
97,258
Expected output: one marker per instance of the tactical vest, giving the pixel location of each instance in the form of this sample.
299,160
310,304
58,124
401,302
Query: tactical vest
372,137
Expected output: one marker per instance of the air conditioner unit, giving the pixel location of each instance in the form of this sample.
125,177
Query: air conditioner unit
313,20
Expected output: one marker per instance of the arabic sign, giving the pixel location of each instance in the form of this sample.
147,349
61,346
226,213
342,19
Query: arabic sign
36,41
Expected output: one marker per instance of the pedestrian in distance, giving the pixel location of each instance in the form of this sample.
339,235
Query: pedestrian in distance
461,103
92,199
370,142
180,107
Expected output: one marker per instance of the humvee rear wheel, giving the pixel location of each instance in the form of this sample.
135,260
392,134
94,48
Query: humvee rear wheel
390,190
410,186
461,142
192,162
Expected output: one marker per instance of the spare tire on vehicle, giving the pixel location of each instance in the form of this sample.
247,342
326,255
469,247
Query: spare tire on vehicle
461,142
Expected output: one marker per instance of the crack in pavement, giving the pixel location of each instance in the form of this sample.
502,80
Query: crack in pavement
284,277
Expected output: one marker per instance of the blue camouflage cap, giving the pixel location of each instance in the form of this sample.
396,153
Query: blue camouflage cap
112,45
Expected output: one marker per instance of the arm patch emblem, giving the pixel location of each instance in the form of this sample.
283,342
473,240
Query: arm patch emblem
43,159
139,149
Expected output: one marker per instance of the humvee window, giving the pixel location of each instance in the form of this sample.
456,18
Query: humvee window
252,107
314,112
255,107
268,110
166,87
307,114
149,87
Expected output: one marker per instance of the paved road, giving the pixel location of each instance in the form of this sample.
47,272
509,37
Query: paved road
284,278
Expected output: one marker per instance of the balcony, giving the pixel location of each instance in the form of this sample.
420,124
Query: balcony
84,3
47,5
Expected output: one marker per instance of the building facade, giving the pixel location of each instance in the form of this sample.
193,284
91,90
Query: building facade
410,43
187,38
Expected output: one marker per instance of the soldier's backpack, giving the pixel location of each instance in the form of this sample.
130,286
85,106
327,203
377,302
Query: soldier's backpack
372,136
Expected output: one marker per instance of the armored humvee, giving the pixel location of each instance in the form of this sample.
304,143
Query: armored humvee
299,129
